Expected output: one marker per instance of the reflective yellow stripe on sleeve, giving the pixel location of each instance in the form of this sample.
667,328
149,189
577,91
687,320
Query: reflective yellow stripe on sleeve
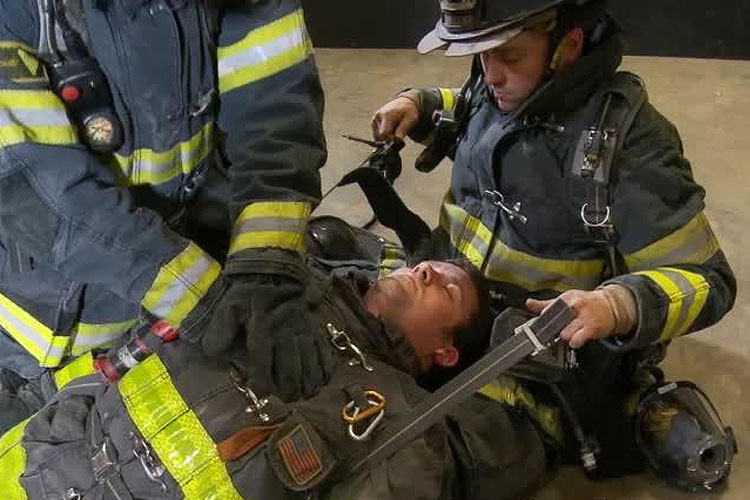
175,433
475,242
34,116
79,367
278,224
694,243
13,462
146,166
90,335
393,258
448,99
687,293
39,340
264,52
180,284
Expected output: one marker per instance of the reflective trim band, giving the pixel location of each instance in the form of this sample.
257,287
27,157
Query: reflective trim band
264,52
79,367
449,100
278,224
507,390
694,243
146,166
393,258
180,284
175,433
19,64
13,462
39,340
687,293
34,116
473,239
89,335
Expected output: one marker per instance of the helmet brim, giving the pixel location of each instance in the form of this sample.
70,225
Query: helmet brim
470,46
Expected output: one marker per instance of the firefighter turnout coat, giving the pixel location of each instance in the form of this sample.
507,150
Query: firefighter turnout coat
218,105
517,197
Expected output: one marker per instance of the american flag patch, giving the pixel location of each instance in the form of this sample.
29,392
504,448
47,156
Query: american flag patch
300,458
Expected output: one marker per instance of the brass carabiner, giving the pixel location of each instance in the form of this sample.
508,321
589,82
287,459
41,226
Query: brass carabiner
377,403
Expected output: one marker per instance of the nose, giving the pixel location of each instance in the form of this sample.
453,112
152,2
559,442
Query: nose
494,74
424,272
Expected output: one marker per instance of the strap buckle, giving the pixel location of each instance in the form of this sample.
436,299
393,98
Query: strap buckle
529,332
102,460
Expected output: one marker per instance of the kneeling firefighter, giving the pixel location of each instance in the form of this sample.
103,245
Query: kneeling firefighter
567,181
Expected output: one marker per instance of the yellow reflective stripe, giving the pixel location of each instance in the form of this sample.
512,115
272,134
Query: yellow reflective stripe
694,243
393,259
39,340
279,224
448,100
475,241
175,433
91,335
13,462
146,166
180,284
79,367
34,116
11,44
264,52
687,293
507,390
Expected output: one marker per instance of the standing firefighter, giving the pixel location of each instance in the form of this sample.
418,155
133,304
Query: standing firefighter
567,181
133,135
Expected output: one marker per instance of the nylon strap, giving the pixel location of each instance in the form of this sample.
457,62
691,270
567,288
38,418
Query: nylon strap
435,406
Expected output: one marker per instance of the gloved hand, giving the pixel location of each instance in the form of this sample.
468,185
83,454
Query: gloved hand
287,353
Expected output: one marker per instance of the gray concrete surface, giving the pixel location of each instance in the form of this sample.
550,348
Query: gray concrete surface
708,100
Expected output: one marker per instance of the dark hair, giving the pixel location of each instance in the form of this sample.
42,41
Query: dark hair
471,338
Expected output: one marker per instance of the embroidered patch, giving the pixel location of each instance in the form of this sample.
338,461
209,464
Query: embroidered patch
300,458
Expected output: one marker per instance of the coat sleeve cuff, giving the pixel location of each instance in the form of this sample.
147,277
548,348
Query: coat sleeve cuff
648,315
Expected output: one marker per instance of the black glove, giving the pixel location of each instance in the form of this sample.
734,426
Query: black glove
287,353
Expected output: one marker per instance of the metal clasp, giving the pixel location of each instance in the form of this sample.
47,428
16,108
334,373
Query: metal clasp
514,212
604,223
102,460
153,468
341,341
256,404
353,415
526,330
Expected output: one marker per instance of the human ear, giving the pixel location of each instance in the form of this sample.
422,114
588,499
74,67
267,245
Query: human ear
569,50
447,357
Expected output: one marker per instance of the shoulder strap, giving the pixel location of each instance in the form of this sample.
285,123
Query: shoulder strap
594,162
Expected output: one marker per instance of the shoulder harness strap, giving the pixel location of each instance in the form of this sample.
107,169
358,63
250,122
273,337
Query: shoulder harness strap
595,154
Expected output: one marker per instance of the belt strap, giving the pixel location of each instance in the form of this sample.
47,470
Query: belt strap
530,338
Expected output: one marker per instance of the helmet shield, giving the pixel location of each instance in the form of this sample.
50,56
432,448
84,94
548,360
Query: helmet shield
471,26
681,435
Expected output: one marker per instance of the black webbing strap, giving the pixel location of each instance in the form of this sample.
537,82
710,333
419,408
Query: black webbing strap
531,337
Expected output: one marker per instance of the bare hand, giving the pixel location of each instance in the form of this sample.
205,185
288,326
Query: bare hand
394,120
594,317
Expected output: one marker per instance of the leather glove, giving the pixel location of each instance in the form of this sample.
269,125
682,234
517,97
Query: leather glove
287,353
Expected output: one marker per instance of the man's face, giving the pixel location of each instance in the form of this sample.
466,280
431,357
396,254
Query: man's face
516,69
427,303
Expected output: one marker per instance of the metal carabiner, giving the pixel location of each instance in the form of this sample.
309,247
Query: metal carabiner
377,402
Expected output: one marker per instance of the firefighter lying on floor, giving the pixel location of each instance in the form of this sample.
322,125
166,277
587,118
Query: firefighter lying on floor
328,360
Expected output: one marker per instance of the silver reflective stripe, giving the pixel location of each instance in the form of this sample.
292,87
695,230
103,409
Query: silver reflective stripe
258,54
30,117
181,286
281,224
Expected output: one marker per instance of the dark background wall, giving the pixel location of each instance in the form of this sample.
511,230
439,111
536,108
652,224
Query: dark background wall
679,28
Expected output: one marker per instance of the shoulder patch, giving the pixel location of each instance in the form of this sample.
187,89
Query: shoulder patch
301,459
19,65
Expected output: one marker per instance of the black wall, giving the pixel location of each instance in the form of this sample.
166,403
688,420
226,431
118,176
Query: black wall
680,28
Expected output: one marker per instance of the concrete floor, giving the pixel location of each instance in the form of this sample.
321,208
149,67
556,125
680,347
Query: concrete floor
708,100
